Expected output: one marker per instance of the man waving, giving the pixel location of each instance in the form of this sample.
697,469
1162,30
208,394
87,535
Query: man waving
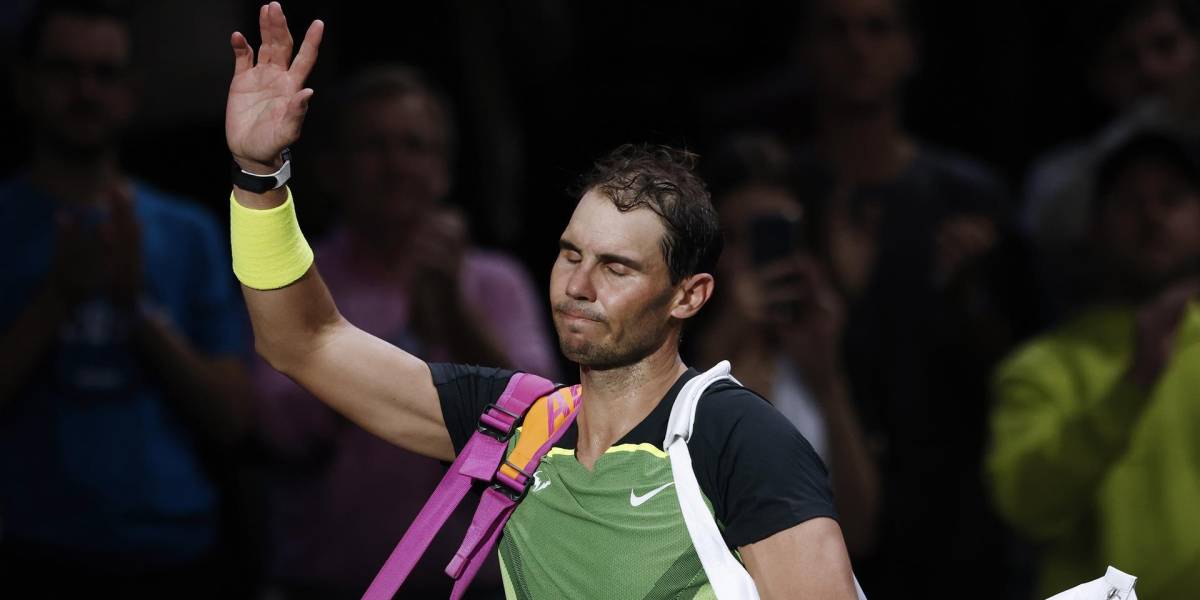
634,264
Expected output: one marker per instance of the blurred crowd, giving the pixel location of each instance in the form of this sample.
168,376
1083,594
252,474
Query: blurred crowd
999,369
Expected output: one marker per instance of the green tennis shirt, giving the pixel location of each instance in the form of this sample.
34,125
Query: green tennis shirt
617,531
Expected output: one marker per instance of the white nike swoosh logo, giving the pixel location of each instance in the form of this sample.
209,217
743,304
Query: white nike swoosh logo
636,500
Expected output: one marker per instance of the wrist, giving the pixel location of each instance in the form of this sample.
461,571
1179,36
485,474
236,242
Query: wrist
257,167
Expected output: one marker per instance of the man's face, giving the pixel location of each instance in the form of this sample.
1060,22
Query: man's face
610,289
395,162
1150,56
1150,223
858,51
78,87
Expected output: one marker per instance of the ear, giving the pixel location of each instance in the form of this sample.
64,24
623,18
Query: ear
691,294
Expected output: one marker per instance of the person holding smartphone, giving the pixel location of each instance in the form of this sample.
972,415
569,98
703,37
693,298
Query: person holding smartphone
780,321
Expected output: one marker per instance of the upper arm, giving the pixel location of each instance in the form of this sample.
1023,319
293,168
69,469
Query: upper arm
382,388
760,473
808,560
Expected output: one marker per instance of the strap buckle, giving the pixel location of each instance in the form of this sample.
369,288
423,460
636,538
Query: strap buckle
501,483
493,430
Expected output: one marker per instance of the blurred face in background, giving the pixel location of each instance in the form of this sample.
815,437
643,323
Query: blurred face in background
1148,56
858,52
1149,223
77,86
742,206
395,167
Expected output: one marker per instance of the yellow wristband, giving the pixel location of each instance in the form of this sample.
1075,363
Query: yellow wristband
269,251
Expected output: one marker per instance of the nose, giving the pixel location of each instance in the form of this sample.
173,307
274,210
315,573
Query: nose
579,284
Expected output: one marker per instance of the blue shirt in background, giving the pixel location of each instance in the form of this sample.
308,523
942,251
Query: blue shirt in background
92,458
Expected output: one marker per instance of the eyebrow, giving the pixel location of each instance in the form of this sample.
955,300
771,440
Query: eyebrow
607,257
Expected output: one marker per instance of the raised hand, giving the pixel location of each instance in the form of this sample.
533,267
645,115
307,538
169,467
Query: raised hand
1157,325
267,98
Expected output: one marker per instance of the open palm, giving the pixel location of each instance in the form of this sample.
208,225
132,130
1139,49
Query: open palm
267,99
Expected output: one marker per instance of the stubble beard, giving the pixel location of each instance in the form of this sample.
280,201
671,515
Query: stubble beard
605,355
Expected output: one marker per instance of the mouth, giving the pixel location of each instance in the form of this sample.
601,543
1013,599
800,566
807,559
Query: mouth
572,316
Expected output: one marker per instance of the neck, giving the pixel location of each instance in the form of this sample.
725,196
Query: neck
617,399
865,144
74,179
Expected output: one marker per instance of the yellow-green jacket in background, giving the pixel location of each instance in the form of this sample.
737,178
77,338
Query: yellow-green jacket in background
1092,468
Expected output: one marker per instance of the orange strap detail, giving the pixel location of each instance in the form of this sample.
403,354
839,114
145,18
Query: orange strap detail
546,416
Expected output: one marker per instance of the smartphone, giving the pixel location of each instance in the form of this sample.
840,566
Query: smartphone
772,237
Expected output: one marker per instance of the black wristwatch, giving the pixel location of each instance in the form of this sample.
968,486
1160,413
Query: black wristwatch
252,182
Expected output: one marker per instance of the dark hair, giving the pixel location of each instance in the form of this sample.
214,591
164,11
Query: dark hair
31,34
744,158
664,180
387,80
1146,146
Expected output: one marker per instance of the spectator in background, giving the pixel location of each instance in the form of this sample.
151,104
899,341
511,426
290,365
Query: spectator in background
779,321
400,266
123,389
1144,67
1094,431
916,239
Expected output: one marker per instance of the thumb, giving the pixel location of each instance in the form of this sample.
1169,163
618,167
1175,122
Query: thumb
293,120
298,105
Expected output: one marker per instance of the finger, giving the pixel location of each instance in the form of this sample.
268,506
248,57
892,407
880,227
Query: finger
275,48
266,36
306,58
243,54
283,37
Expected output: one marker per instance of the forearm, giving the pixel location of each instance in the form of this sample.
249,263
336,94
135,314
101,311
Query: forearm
210,395
299,332
855,476
287,321
28,340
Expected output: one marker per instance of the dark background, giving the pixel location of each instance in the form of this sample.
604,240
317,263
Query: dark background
998,80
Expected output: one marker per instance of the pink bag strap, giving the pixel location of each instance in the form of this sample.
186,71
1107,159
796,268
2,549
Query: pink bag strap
501,498
478,460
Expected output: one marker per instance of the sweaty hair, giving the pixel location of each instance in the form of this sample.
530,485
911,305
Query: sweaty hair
664,180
